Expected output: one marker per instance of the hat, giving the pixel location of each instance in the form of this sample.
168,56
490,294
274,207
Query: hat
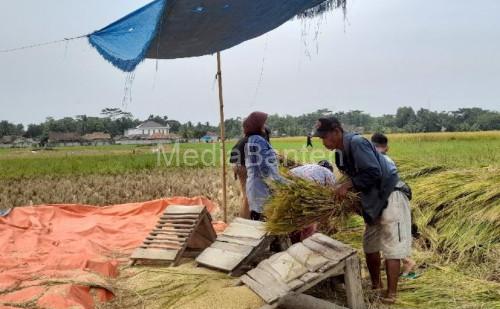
254,123
325,125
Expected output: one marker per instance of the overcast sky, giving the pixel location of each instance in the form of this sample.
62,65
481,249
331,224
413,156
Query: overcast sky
437,54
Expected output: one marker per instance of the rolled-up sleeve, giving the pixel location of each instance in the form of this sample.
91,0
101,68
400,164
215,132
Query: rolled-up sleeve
368,170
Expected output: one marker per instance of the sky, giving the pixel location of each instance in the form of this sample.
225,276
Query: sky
387,53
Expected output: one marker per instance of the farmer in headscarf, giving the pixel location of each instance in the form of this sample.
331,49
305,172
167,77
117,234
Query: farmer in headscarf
240,171
261,164
385,208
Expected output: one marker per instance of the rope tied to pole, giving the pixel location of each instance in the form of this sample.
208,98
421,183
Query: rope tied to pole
31,46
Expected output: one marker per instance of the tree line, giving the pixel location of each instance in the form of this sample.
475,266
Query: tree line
115,121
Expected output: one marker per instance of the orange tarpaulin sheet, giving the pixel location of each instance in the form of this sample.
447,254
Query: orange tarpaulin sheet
59,256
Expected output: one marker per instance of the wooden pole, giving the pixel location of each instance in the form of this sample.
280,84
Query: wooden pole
222,137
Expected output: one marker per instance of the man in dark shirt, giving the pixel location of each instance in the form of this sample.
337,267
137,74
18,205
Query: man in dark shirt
384,208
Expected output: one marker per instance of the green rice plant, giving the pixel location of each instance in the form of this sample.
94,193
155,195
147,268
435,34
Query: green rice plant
298,203
458,213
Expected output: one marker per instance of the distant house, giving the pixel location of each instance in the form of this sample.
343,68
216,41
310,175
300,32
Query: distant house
148,128
210,137
98,138
65,139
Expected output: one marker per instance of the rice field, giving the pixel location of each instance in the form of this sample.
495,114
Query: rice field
454,176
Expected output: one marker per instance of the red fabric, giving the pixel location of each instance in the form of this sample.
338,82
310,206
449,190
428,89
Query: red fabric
73,242
254,123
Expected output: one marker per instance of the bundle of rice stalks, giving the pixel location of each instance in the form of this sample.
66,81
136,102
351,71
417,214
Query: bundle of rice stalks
458,213
298,203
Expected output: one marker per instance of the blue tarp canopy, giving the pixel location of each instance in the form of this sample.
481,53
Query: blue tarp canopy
168,29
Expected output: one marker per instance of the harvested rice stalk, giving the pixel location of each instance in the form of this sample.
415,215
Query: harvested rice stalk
458,213
298,203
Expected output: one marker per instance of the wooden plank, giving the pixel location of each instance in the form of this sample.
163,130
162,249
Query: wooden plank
180,221
352,278
154,254
243,230
176,225
310,259
308,277
220,259
180,216
163,241
265,265
161,247
240,240
199,241
256,253
165,238
286,266
259,289
295,284
174,209
333,255
335,271
259,224
169,232
207,228
169,229
276,286
241,249
332,243
328,266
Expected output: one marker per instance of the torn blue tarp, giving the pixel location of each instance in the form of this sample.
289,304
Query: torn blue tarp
168,29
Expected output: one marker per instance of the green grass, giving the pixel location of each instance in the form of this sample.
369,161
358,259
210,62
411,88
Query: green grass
413,150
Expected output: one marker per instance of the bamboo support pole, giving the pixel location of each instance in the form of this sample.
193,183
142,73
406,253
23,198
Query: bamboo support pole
222,137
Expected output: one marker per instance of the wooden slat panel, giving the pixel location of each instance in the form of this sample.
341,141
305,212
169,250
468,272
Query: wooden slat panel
287,267
310,259
241,249
276,286
174,209
220,259
243,230
154,254
240,240
259,289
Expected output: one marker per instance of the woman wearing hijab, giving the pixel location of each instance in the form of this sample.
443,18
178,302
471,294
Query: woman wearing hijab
240,171
261,163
